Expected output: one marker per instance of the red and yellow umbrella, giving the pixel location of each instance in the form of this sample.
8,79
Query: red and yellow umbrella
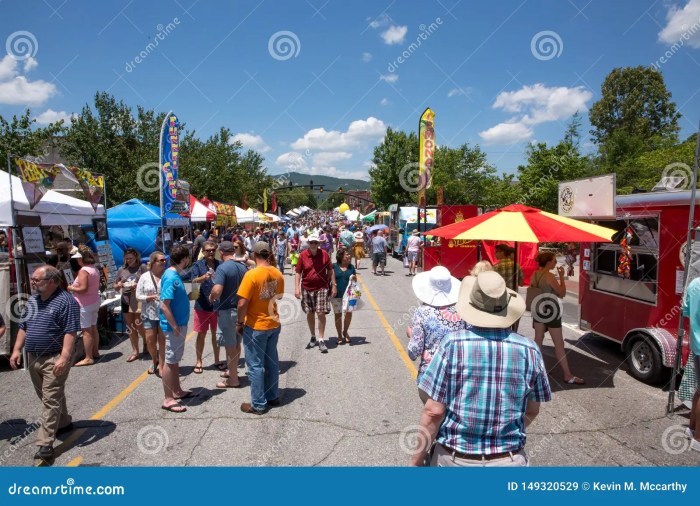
521,223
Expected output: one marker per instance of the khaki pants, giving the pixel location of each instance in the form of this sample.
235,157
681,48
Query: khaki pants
443,458
51,392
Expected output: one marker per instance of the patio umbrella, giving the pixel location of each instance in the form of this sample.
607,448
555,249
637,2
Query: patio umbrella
381,226
520,223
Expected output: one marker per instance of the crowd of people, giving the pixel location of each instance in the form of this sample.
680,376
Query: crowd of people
464,333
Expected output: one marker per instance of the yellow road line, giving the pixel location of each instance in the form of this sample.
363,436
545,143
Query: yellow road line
68,443
75,462
390,331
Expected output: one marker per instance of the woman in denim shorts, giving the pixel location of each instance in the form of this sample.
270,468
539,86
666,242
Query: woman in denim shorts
148,292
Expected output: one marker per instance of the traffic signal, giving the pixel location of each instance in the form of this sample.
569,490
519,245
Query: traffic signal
320,189
340,190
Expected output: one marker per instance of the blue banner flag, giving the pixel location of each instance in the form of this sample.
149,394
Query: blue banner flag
169,155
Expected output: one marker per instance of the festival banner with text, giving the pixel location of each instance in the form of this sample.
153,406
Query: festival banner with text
169,157
427,148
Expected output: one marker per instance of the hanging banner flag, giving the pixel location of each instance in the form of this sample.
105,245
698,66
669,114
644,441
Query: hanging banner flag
273,204
265,200
93,186
36,179
181,205
244,202
426,140
169,155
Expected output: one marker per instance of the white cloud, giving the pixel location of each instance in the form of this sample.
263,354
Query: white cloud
334,172
395,35
292,161
358,133
534,105
366,57
455,92
250,141
542,104
19,91
506,133
30,64
384,101
8,68
390,78
51,116
330,157
682,24
382,20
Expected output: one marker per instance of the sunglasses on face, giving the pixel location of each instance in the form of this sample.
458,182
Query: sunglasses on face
210,251
160,261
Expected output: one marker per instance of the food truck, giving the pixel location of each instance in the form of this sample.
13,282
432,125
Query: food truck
407,223
457,255
638,306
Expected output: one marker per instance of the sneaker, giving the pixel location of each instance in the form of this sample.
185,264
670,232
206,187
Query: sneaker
695,445
44,453
322,347
312,343
247,407
689,433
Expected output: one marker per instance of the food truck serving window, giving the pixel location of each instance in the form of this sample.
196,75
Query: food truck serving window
642,283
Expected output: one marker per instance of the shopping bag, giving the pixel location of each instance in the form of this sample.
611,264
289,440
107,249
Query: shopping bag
405,261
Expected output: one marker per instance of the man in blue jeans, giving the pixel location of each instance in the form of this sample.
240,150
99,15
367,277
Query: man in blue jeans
259,323
227,280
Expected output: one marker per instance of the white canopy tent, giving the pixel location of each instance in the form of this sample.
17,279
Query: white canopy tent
273,217
245,216
54,208
351,215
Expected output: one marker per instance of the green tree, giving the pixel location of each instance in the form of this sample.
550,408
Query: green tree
634,114
20,137
464,173
394,168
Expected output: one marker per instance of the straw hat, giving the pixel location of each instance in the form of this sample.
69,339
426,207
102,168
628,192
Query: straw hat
484,301
437,287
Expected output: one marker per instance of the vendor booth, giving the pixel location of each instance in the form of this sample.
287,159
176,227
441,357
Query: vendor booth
199,212
247,216
135,224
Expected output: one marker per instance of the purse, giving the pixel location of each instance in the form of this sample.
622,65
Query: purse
533,291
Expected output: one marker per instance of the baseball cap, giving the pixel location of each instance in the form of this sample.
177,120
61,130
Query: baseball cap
226,246
261,247
313,238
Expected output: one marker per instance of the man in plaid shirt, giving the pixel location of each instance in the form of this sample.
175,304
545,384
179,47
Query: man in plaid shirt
485,384
506,267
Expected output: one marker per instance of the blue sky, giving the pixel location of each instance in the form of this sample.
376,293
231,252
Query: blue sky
314,84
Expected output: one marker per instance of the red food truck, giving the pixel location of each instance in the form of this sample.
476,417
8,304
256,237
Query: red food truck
640,312
457,255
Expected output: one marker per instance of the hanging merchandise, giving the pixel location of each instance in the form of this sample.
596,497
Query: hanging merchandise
623,267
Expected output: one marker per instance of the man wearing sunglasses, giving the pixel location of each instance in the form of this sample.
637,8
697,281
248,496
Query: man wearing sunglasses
47,331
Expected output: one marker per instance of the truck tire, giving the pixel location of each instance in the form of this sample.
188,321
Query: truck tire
644,360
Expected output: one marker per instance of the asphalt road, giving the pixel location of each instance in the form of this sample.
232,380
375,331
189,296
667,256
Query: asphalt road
354,406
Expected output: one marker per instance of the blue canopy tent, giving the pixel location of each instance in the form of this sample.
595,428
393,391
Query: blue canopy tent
135,224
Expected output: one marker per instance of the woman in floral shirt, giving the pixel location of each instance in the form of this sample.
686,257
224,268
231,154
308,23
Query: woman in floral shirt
437,317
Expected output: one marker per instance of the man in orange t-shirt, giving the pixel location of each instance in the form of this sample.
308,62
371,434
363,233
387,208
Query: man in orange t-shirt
259,323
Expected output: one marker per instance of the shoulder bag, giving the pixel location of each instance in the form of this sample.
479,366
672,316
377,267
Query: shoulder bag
533,291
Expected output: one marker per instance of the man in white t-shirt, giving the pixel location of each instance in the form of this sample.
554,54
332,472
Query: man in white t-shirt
413,246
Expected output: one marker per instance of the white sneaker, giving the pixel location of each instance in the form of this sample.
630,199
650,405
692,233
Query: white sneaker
695,445
689,433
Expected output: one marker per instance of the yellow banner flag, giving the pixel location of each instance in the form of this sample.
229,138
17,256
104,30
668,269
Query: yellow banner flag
426,140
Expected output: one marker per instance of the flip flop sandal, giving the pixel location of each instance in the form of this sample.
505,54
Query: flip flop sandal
175,408
84,362
132,357
222,384
197,369
575,380
221,366
152,369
